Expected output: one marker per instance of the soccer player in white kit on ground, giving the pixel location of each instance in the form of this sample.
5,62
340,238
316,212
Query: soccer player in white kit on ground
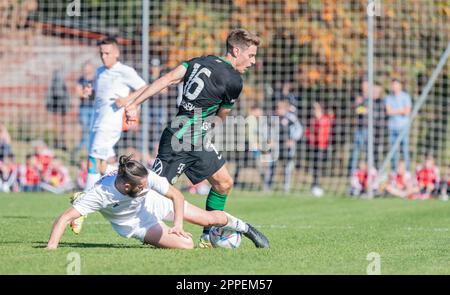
137,202
112,80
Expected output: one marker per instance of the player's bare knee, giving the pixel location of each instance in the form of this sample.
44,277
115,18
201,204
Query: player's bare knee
186,244
228,185
224,186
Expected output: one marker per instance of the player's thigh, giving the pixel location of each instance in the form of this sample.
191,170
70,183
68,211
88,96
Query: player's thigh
207,164
171,166
159,236
170,163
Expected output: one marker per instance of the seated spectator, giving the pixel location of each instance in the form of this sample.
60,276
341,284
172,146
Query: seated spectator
57,179
30,177
360,180
427,176
82,175
5,143
43,155
8,175
401,183
445,185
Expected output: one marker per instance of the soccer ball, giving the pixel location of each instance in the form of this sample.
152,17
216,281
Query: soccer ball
224,238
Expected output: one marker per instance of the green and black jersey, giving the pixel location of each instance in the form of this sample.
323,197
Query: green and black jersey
209,84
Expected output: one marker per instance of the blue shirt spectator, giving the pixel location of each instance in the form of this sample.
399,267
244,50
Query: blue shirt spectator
400,104
398,108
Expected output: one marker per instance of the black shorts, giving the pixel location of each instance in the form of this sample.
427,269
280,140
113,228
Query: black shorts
197,165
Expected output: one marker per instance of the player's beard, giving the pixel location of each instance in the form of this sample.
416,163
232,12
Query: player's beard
138,194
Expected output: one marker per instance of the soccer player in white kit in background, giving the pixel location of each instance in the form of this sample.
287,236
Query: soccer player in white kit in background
137,202
112,80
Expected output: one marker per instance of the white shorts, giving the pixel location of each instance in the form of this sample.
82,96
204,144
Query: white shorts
155,210
101,143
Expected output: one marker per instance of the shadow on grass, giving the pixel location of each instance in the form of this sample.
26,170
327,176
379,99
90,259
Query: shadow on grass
91,245
15,217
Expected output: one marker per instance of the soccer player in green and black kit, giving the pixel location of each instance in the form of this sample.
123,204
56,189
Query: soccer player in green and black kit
211,84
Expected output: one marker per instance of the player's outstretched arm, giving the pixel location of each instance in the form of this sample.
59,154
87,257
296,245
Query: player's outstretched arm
60,225
124,101
223,112
173,77
178,204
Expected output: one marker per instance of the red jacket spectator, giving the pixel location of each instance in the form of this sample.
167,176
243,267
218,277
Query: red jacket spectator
29,175
427,176
318,133
44,160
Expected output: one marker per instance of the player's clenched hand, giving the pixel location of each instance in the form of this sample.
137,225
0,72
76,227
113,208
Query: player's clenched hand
121,102
51,247
179,232
132,113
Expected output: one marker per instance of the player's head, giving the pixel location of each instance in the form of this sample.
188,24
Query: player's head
132,177
241,47
109,51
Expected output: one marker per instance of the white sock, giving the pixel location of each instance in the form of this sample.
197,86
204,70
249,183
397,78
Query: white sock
92,178
236,224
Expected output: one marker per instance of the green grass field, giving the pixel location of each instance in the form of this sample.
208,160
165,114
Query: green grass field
330,235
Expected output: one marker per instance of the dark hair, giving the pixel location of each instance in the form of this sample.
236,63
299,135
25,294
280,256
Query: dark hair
109,40
131,170
241,38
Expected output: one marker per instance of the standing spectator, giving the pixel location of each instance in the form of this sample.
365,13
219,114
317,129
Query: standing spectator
379,125
401,183
8,175
86,94
290,132
398,108
57,179
427,175
287,93
5,143
360,179
318,135
252,153
445,185
360,135
30,177
58,101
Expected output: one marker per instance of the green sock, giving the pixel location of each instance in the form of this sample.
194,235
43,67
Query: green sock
215,201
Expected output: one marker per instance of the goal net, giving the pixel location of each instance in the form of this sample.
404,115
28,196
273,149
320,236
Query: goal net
309,72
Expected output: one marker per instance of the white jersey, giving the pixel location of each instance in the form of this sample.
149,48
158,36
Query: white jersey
130,217
109,85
